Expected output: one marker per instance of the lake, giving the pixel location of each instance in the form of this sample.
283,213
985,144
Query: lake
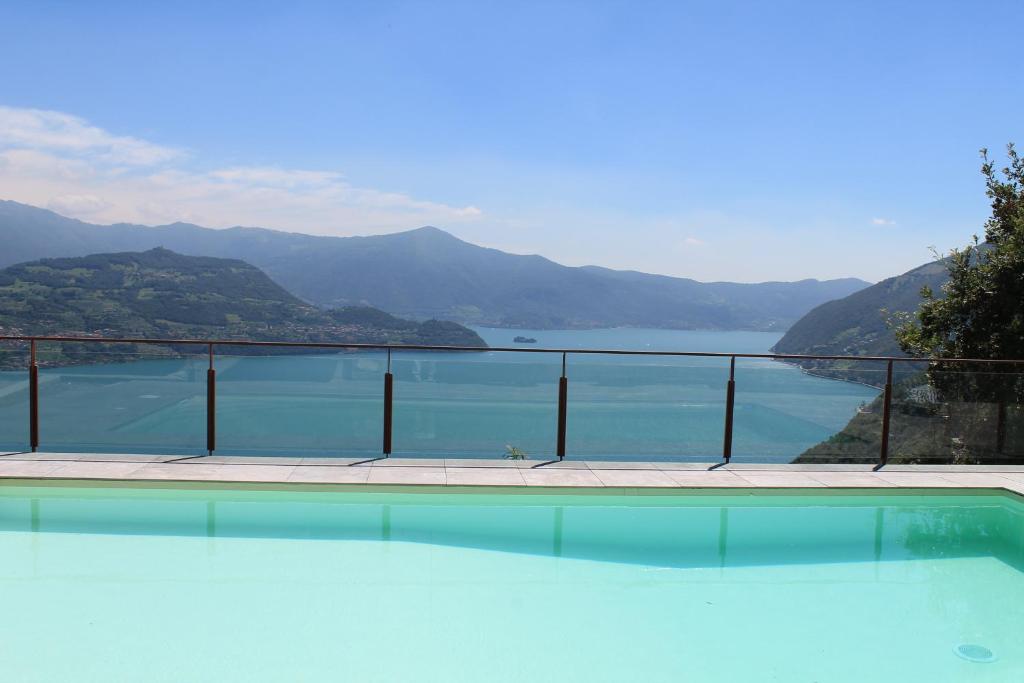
446,404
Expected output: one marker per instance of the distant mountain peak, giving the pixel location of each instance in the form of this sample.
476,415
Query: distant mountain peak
429,232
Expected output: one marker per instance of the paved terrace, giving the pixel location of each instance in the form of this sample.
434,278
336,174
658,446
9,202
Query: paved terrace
521,473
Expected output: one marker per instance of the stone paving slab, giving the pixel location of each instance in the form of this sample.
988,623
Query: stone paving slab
851,480
560,477
505,473
706,479
89,457
634,478
320,474
786,480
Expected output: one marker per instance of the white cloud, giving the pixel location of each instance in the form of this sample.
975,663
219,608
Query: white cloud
58,132
63,162
77,204
882,221
693,242
276,176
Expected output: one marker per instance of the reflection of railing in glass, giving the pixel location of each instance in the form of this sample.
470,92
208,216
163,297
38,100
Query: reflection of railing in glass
465,400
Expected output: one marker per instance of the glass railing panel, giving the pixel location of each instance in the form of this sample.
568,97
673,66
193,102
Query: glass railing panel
1013,440
959,414
475,404
646,408
785,414
311,403
13,398
121,399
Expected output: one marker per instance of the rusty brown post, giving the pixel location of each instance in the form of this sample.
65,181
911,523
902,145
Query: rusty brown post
883,455
33,398
389,392
730,400
563,405
211,404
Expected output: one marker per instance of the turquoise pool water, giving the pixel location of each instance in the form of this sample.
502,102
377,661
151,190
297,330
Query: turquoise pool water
104,584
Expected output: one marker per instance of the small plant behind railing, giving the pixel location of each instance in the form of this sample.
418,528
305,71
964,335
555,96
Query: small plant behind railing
513,453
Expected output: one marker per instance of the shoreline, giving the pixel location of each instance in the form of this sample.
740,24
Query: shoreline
809,372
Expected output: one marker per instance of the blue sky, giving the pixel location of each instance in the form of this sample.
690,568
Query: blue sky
714,140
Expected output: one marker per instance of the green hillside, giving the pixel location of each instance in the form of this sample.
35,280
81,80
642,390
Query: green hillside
927,425
855,325
161,294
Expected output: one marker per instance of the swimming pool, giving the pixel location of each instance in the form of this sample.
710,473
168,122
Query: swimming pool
157,582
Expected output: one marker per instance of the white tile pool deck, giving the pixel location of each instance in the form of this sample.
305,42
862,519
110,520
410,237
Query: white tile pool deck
505,473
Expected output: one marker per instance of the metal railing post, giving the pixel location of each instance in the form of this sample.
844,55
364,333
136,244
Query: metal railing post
883,451
389,391
730,400
211,404
33,399
563,404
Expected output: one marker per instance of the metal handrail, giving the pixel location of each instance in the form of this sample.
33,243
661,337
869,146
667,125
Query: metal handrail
515,349
211,376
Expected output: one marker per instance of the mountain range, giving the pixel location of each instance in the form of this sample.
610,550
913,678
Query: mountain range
428,273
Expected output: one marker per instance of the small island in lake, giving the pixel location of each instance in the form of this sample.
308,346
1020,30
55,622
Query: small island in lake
525,340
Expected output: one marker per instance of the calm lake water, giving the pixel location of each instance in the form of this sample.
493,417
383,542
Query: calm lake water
446,404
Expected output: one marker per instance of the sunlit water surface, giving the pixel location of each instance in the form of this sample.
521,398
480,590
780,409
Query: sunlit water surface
106,584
